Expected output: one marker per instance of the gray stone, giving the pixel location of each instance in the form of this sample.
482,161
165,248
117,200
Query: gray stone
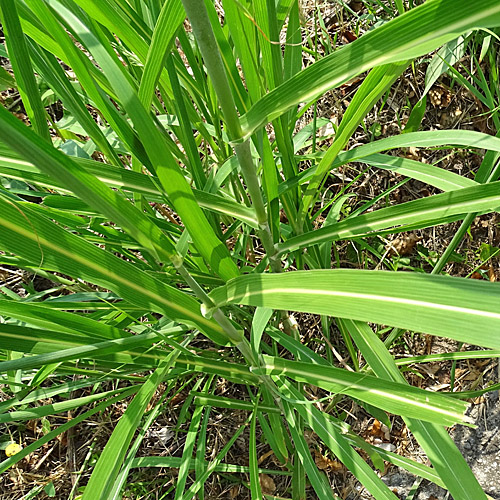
480,447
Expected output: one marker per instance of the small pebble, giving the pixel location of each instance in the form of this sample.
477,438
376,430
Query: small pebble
386,446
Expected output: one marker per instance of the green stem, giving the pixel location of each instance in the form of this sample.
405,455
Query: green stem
443,260
234,335
209,49
493,165
202,30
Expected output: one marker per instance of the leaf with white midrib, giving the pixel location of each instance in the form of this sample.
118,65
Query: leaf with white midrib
479,198
439,305
49,246
400,39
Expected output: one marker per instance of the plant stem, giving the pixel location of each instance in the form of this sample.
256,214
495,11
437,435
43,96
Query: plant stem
443,260
209,49
234,335
204,35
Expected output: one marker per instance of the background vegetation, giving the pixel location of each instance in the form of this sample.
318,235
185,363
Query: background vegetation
201,224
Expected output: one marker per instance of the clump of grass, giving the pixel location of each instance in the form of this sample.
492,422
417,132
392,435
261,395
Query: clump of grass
169,200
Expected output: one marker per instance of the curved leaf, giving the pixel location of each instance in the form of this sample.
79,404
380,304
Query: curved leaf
413,34
438,305
424,212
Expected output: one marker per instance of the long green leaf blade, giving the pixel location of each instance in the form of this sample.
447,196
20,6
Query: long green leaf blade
438,445
393,397
155,143
425,212
400,39
48,246
21,63
87,187
438,305
108,466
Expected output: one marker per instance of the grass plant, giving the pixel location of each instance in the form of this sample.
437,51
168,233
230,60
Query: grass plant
179,205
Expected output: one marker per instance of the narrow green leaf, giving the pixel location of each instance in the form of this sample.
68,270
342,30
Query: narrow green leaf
87,187
53,75
260,320
175,462
23,70
9,462
443,453
340,428
226,50
424,139
318,480
448,356
43,393
214,464
243,35
438,305
36,314
201,451
334,438
445,57
54,347
400,39
12,166
425,212
187,452
393,397
49,246
434,176
255,488
416,116
235,404
171,17
238,373
108,466
62,46
372,88
55,408
155,143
